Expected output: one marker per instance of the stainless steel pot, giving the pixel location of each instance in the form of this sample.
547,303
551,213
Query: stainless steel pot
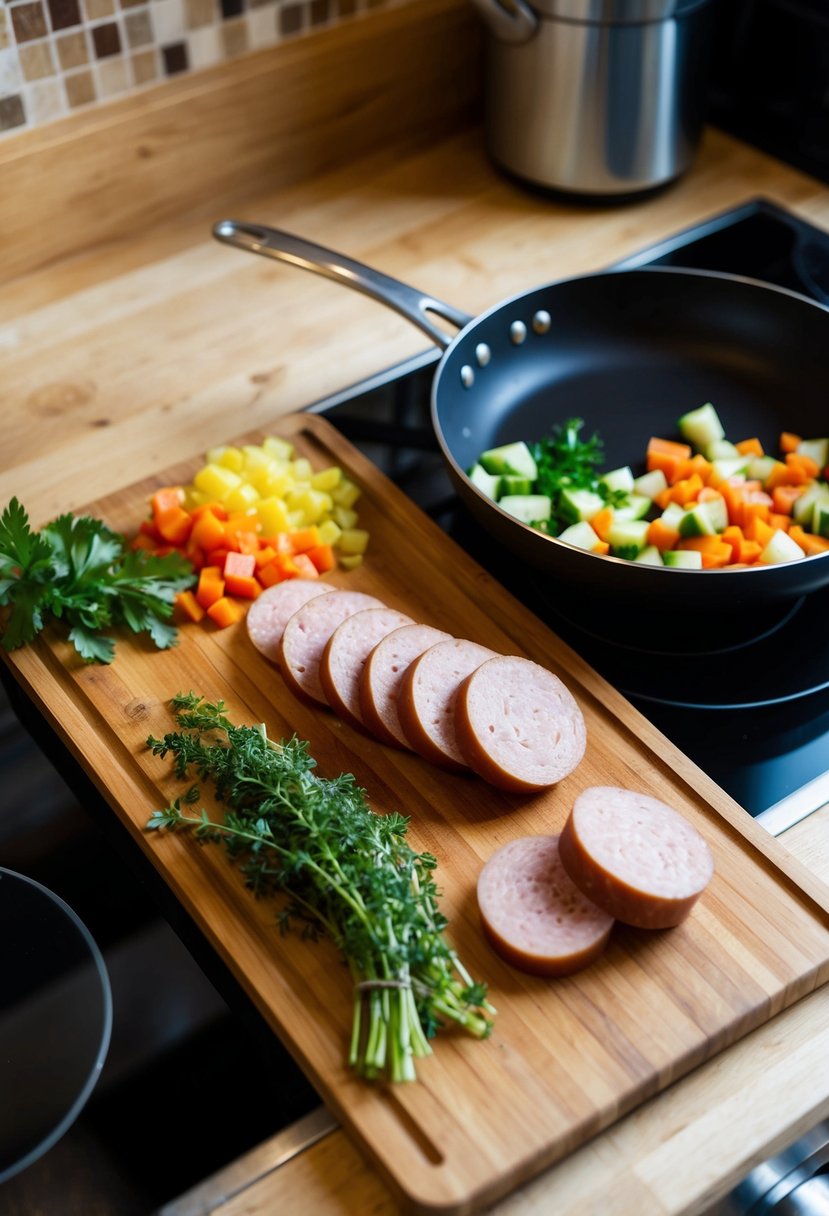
596,97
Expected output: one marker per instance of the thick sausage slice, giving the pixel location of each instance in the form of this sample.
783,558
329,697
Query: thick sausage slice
345,657
534,915
306,635
517,725
270,612
426,703
635,857
383,674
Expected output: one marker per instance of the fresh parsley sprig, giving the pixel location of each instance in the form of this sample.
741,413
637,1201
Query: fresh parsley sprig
346,871
566,462
77,570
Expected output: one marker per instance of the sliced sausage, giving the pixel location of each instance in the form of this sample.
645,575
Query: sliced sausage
383,674
345,657
306,635
635,857
426,703
269,614
517,725
534,915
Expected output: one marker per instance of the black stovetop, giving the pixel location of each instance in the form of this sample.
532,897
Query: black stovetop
752,712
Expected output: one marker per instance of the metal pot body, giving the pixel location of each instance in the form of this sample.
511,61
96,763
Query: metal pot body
605,107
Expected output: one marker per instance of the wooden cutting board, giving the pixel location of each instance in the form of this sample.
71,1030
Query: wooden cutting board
566,1057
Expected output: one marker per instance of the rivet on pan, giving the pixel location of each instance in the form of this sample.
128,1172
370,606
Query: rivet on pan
542,321
467,376
483,354
518,332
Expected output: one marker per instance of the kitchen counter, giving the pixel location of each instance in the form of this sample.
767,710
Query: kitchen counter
131,338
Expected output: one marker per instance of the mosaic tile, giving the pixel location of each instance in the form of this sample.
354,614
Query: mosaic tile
175,58
10,74
168,20
144,67
72,50
80,88
138,28
106,40
290,19
12,113
5,34
232,8
63,14
97,10
205,47
235,38
112,76
198,13
36,60
28,21
320,12
45,100
262,26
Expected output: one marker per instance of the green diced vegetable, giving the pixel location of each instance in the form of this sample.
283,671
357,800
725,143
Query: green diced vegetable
684,559
701,427
781,548
704,518
581,535
575,505
818,449
628,534
528,508
511,483
650,484
510,458
487,483
650,556
820,518
635,506
760,468
721,449
619,479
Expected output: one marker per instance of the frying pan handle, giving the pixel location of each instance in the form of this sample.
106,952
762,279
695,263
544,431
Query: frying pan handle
285,247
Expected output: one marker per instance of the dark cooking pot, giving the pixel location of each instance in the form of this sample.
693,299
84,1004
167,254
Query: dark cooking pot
628,351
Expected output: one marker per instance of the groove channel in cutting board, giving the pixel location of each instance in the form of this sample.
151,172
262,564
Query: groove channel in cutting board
567,1057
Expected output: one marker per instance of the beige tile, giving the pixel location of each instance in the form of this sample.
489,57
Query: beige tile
96,10
36,60
5,36
144,67
72,50
80,88
234,37
198,13
45,100
113,77
138,28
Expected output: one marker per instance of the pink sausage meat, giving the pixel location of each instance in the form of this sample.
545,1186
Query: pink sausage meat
426,703
517,725
534,916
306,635
269,614
635,857
345,657
383,674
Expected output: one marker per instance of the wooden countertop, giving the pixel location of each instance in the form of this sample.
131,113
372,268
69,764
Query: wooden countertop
129,338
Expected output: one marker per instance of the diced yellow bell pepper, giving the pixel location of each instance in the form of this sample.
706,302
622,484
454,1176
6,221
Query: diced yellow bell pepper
353,541
216,481
280,449
344,516
255,457
232,458
242,498
351,561
327,479
301,469
346,493
273,516
330,532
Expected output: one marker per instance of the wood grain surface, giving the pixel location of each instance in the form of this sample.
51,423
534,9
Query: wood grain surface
566,1058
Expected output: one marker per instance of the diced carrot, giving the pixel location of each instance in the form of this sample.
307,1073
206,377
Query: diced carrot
224,612
803,463
666,455
166,499
215,508
601,547
751,550
277,570
687,468
189,606
208,530
240,565
211,586
779,521
145,542
263,555
708,494
194,554
784,497
789,442
686,491
757,529
602,522
733,536
174,524
809,543
246,587
750,447
303,539
324,557
781,475
663,498
754,508
663,537
248,542
714,551
304,566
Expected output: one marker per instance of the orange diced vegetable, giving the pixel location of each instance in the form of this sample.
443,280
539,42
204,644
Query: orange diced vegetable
805,465
686,490
208,530
601,547
166,499
189,606
750,447
174,525
809,543
303,539
757,529
601,522
304,567
246,587
789,442
211,586
224,612
783,498
324,558
663,537
666,455
242,565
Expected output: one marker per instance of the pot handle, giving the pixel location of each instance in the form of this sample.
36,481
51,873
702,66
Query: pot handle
285,247
510,20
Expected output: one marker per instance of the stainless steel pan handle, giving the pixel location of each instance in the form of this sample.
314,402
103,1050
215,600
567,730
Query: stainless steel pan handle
285,247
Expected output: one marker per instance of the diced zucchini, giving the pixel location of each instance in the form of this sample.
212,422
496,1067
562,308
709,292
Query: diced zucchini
820,518
650,556
512,483
650,484
619,479
529,508
510,458
581,535
721,470
671,516
701,427
761,467
487,483
685,559
575,505
721,449
781,548
804,504
704,518
628,534
818,449
635,507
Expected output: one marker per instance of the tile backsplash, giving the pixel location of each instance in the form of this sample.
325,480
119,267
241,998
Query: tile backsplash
59,55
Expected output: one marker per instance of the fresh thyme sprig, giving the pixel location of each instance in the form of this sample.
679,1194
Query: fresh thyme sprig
347,872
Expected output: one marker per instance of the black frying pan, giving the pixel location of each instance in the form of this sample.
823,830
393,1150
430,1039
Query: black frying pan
628,351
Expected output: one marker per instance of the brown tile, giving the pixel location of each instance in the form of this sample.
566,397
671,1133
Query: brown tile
12,113
138,28
320,12
144,67
97,10
106,40
5,34
290,19
72,50
36,60
29,21
198,13
234,37
347,8
64,13
175,58
80,88
131,3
